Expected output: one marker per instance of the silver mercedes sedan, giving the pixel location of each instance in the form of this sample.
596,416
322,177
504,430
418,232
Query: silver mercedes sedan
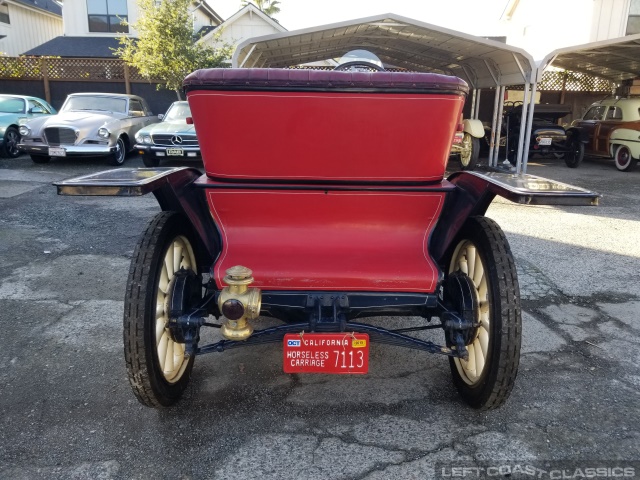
88,125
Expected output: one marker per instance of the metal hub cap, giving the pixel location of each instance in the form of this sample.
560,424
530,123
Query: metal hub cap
467,260
170,353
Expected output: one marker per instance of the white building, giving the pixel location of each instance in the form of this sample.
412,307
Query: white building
91,27
541,26
247,22
25,24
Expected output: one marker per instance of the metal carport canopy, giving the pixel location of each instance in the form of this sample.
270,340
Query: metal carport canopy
398,41
616,59
411,44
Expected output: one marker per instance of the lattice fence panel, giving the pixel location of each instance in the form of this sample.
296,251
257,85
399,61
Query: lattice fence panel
134,76
575,82
26,68
88,69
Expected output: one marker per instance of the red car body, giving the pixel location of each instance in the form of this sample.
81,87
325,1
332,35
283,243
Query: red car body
317,176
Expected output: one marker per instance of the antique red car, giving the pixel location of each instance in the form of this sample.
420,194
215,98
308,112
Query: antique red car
335,210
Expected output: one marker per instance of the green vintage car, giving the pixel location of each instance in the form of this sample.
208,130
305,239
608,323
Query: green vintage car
172,138
16,110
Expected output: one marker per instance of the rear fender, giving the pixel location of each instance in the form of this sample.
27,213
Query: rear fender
473,127
172,187
628,137
475,191
577,132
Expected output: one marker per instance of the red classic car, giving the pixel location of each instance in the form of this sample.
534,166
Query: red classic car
335,210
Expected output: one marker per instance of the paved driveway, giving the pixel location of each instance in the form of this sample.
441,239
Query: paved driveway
68,412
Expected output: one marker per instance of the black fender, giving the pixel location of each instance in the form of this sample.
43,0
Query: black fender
577,132
475,191
172,187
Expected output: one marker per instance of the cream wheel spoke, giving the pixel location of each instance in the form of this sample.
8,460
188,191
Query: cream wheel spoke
463,264
483,340
478,274
164,279
471,260
168,361
163,345
482,289
471,363
477,348
168,262
160,329
177,256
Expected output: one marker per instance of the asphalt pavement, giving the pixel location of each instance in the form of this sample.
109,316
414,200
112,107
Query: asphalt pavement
67,411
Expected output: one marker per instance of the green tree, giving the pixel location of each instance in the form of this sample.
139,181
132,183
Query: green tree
165,48
270,7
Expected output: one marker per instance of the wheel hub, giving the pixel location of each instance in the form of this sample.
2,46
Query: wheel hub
462,322
183,295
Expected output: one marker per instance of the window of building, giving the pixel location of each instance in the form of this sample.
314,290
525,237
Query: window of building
4,14
633,23
107,16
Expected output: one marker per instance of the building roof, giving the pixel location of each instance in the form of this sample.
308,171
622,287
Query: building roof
398,41
210,11
78,47
48,6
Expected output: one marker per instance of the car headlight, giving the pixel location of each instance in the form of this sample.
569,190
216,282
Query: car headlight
104,133
24,130
138,138
147,139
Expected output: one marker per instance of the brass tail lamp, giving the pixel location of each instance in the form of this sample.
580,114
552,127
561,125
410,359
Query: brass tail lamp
239,303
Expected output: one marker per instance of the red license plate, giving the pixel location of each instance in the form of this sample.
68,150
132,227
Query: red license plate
326,353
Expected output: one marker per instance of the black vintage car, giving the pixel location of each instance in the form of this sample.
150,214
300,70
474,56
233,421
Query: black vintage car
547,137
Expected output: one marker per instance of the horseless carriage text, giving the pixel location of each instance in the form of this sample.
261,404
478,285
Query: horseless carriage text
336,209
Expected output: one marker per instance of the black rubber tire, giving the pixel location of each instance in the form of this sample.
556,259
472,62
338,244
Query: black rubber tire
40,158
140,350
10,143
150,162
475,153
573,158
118,157
496,380
623,159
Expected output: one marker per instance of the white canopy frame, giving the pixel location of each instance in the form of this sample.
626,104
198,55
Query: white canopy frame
407,43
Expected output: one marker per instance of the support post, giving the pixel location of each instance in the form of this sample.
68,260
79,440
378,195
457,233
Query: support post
44,70
499,126
473,103
477,109
523,117
493,126
527,140
127,80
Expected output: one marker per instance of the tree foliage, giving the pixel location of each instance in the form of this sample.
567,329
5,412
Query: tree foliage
166,49
270,7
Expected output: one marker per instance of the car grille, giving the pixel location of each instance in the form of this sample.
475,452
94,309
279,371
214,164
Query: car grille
165,139
60,136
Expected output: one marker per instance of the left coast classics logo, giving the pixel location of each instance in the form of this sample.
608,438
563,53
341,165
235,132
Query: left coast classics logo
293,343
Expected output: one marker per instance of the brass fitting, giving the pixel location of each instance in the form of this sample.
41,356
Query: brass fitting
239,303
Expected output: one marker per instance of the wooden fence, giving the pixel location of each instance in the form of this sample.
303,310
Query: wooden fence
53,69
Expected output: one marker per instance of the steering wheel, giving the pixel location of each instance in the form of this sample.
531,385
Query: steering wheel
359,65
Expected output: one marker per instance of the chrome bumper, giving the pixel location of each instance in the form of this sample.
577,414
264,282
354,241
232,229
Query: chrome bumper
70,150
163,148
